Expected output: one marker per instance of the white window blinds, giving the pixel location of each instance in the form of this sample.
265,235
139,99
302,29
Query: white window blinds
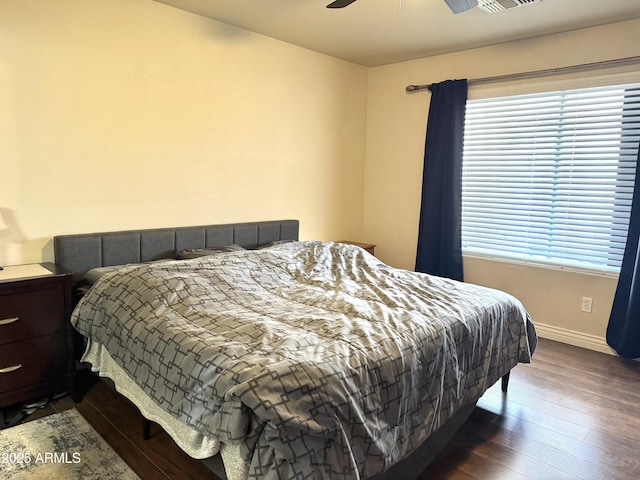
549,177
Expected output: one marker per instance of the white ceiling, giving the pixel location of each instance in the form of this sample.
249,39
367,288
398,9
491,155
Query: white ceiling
378,32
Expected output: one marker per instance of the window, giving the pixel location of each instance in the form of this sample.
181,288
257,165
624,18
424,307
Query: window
548,177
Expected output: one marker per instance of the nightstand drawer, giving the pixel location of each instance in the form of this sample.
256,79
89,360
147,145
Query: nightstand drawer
31,313
32,361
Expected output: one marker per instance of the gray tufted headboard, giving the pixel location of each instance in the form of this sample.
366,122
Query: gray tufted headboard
82,252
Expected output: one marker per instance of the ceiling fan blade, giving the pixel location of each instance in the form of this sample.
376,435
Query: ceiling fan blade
340,3
459,6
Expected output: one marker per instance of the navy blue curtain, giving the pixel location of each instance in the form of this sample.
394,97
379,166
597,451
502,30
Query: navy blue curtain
439,234
623,331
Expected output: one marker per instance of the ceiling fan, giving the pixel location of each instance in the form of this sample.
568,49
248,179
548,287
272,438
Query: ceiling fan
456,6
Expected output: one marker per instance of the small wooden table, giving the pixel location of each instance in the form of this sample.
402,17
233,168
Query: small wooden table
369,247
36,339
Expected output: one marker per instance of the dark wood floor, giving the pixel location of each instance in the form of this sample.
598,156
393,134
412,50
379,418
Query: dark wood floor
571,414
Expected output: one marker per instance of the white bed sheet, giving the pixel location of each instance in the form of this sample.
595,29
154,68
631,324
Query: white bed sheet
192,442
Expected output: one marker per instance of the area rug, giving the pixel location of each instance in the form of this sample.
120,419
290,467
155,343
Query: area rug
60,446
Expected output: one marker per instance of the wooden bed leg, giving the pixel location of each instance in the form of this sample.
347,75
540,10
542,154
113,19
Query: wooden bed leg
505,381
146,429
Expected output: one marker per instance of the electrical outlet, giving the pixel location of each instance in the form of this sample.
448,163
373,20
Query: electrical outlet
586,304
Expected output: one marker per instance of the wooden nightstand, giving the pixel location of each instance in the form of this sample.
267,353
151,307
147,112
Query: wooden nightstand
369,247
36,353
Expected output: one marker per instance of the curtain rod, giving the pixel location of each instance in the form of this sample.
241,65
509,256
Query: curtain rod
541,73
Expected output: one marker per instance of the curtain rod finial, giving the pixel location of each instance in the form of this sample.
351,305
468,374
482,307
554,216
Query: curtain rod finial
416,88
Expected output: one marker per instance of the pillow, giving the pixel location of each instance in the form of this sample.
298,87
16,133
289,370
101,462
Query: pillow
94,274
273,244
189,253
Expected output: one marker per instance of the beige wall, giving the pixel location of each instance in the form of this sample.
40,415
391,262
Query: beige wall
121,114
393,174
131,114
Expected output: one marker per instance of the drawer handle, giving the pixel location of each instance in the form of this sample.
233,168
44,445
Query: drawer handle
7,321
10,369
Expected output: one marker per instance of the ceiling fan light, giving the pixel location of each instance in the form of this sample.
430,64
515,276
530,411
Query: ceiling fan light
459,6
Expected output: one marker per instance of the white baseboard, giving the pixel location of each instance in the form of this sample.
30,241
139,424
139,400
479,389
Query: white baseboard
579,339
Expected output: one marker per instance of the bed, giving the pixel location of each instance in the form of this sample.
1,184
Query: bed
281,359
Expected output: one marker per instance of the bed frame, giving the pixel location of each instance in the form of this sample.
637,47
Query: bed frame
82,252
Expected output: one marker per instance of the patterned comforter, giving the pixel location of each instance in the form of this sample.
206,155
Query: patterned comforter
316,358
